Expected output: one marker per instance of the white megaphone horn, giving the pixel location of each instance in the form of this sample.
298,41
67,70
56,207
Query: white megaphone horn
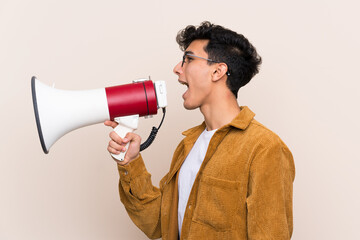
58,112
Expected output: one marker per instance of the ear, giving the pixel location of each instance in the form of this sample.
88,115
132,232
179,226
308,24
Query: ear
219,71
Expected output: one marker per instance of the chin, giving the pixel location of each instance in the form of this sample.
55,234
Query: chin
189,106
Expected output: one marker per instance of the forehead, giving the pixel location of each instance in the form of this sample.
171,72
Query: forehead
197,47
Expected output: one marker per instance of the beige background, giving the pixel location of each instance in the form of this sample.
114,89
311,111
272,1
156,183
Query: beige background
307,92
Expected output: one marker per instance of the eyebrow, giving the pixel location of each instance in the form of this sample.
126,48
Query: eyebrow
188,52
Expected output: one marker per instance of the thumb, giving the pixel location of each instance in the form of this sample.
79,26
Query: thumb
132,137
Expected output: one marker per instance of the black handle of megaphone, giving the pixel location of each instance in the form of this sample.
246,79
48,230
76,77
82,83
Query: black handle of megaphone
153,133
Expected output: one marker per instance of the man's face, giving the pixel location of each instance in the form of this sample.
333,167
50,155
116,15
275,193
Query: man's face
196,74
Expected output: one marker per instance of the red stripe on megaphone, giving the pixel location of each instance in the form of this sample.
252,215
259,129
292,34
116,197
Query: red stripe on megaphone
130,99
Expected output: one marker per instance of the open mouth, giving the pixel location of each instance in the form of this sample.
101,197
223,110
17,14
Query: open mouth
187,85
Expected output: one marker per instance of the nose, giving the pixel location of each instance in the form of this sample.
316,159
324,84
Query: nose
178,69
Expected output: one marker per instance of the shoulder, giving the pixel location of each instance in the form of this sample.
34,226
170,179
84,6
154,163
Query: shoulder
269,147
263,135
265,142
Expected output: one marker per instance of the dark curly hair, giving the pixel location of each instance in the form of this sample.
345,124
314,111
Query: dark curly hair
225,46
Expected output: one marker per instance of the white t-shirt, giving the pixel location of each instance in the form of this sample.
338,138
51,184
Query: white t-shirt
189,170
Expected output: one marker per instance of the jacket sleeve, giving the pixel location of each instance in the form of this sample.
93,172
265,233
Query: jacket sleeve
269,201
141,199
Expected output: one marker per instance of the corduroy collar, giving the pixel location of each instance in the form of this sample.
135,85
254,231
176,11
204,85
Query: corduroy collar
241,121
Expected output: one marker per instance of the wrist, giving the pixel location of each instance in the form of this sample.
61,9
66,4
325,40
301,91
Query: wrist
126,161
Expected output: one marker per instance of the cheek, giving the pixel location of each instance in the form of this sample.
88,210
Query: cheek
198,75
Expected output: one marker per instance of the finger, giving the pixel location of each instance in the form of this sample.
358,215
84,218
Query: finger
113,150
117,146
110,123
115,137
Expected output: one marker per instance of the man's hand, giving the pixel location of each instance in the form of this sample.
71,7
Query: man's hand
117,144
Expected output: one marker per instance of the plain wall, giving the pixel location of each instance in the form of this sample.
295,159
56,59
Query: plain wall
306,92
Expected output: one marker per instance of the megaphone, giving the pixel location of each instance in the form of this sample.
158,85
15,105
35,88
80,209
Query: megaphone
58,112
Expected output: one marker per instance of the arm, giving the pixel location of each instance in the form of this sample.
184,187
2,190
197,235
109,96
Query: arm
269,200
141,199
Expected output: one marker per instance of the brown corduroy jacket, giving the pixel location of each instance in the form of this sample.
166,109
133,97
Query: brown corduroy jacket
243,189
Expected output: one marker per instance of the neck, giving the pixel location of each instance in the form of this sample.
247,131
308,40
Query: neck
220,111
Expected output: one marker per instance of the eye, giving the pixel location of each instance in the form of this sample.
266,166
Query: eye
188,59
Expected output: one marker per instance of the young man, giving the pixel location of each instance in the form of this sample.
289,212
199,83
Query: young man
230,177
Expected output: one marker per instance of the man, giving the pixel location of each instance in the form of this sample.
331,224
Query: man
230,177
